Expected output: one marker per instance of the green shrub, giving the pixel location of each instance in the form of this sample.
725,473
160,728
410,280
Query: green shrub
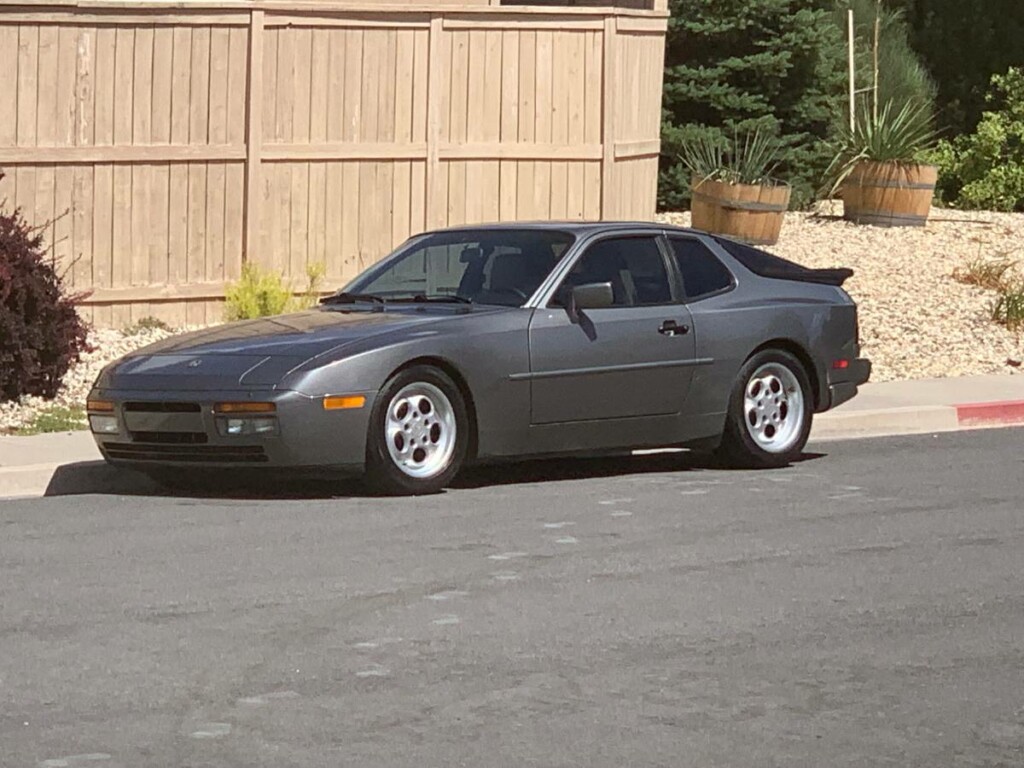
262,293
1008,309
962,44
985,170
57,418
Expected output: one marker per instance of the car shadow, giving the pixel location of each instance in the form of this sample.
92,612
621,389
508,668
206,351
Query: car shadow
97,477
551,471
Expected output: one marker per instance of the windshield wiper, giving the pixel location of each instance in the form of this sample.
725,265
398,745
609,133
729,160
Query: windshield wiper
352,298
422,298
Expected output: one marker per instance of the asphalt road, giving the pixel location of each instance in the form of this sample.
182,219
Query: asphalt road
862,608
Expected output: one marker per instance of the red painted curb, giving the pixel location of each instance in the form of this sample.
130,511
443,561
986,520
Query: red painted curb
980,414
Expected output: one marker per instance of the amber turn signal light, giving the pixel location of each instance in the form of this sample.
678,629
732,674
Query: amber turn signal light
99,406
244,408
344,402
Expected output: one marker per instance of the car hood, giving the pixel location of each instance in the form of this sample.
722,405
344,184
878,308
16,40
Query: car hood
255,354
304,334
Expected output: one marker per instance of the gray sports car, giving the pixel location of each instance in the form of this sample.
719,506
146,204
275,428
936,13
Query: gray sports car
498,342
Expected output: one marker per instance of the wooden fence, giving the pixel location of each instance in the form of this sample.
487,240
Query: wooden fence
169,143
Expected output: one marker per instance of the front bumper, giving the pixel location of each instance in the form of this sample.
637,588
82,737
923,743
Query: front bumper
180,429
842,391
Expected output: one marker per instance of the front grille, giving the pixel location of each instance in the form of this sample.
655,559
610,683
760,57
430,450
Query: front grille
193,454
171,438
157,407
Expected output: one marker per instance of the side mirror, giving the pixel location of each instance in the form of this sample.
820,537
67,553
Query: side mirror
590,296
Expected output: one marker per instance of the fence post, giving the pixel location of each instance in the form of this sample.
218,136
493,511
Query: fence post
610,95
436,201
253,139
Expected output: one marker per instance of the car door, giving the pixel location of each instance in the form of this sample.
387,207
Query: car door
721,328
631,359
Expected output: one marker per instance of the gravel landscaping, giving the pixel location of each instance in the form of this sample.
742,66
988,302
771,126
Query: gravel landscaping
916,321
107,346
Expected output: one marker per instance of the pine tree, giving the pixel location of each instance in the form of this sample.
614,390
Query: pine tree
733,65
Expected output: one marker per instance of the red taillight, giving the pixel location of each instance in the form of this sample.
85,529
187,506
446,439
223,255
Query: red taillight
840,365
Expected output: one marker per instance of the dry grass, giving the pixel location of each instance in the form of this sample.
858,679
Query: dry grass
993,275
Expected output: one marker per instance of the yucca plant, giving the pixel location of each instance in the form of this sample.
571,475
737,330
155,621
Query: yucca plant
733,191
898,136
750,159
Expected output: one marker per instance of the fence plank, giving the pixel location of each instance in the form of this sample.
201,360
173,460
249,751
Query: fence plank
509,170
256,121
141,185
9,53
610,95
439,63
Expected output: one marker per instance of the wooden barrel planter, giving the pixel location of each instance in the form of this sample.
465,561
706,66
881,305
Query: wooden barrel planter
746,212
889,194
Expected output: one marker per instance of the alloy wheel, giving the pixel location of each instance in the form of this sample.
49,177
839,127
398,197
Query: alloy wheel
420,430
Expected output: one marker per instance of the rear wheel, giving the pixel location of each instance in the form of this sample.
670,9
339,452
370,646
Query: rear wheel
418,433
770,412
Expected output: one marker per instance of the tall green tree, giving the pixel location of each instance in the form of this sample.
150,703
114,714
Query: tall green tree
735,65
902,75
963,45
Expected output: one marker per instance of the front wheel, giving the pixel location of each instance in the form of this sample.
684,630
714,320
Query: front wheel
770,412
418,433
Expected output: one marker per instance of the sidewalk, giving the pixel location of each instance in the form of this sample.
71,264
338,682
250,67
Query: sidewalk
926,405
69,463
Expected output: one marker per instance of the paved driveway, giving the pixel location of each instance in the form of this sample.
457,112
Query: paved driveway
863,608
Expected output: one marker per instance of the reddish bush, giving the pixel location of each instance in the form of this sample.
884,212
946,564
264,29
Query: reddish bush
41,334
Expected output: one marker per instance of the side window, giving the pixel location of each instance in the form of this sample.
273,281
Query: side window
702,272
633,265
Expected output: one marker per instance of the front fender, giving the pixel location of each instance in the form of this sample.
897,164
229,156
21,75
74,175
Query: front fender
482,359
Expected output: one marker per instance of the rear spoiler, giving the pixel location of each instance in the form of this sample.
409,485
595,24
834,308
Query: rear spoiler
835,277
769,265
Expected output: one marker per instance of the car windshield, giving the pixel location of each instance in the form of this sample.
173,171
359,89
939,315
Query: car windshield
494,266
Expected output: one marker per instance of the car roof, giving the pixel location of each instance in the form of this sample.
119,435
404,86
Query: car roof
573,227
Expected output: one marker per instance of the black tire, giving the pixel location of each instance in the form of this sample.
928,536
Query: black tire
383,474
738,447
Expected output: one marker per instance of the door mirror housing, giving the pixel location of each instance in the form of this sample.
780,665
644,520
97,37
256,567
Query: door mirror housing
590,296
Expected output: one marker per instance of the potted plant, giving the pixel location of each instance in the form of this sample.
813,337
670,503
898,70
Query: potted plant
877,169
734,192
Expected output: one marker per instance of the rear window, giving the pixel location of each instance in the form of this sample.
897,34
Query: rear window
761,262
768,265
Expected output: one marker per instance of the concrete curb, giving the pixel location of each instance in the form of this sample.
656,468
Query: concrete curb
915,420
1007,412
80,473
910,420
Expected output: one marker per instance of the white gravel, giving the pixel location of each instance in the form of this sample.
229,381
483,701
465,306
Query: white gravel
916,321
107,346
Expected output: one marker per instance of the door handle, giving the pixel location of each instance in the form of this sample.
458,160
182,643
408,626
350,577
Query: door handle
672,328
